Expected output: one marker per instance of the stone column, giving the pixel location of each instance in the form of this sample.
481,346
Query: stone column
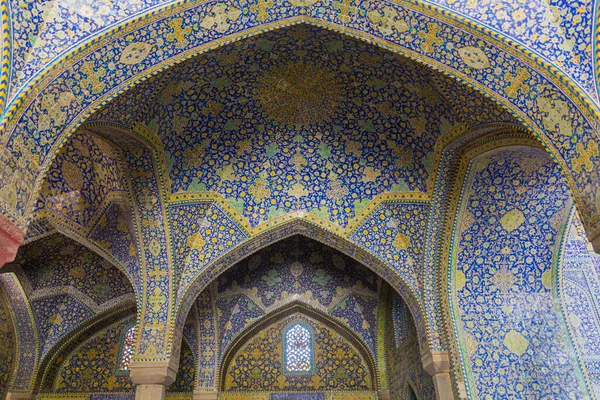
206,395
437,364
11,238
152,378
19,396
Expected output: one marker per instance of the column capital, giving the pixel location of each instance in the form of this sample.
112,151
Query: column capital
153,372
11,238
436,362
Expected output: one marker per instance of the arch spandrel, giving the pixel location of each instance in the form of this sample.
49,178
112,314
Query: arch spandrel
89,83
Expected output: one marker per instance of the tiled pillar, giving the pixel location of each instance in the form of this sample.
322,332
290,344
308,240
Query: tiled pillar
151,378
11,238
437,364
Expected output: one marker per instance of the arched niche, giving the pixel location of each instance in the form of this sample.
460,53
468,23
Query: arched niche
325,332
503,245
311,231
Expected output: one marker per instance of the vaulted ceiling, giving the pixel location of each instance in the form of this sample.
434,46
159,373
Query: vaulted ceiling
300,118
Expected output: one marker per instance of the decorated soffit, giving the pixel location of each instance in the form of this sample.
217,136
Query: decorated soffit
299,119
560,32
84,177
54,263
298,269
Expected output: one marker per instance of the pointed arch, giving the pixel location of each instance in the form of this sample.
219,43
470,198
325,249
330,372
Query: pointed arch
286,311
312,231
521,70
26,333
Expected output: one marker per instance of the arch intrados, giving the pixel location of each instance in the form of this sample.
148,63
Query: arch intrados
71,234
369,38
68,58
275,316
311,231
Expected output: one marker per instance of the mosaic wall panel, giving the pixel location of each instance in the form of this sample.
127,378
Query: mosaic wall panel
81,177
403,361
471,107
201,233
235,314
114,233
56,316
94,365
560,32
97,74
257,366
298,269
191,331
513,342
185,380
8,345
207,321
400,319
328,144
395,233
297,266
126,111
360,314
580,297
58,261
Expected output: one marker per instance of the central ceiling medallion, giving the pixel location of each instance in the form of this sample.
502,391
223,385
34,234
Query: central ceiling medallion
299,94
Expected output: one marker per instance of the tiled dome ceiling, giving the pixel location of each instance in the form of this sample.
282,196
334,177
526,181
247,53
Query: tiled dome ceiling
299,118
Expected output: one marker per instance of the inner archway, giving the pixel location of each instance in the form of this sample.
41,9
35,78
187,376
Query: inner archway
363,341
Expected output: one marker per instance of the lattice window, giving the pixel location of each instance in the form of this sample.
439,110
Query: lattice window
127,353
298,352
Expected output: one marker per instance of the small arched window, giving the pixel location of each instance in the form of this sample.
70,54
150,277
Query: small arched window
127,353
298,351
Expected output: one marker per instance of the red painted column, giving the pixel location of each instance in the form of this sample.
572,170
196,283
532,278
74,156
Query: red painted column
11,239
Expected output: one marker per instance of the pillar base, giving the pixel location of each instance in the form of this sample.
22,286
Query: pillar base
20,396
383,394
443,386
11,239
206,395
150,392
437,364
